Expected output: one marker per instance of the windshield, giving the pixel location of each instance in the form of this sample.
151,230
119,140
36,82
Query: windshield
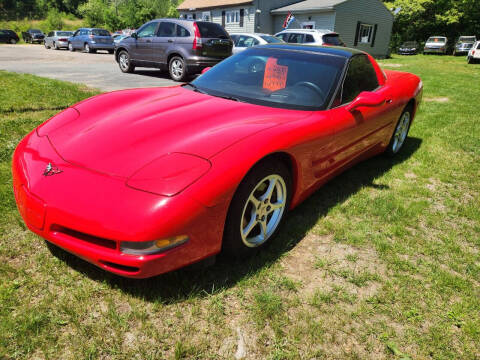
64,33
274,77
409,44
271,39
211,30
436,39
35,31
332,39
100,32
471,39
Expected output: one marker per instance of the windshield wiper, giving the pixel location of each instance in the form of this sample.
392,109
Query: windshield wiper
228,97
195,88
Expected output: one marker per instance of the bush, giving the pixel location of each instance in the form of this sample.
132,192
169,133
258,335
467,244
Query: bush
54,20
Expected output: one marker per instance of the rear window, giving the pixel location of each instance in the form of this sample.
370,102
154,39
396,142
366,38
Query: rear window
436,39
99,32
64,33
271,39
332,39
467,39
478,46
35,31
211,30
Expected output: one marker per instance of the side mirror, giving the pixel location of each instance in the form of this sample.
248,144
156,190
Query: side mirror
366,98
206,69
134,35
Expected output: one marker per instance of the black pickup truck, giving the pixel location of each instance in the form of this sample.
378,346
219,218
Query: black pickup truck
33,35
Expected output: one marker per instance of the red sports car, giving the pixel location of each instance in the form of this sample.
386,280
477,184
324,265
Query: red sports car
141,182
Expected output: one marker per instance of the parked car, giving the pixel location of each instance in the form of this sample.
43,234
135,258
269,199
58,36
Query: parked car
33,36
310,37
8,36
436,45
408,48
474,53
463,45
140,182
184,47
242,41
90,40
57,39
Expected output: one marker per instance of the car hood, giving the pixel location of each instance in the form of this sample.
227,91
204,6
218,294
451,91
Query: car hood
119,132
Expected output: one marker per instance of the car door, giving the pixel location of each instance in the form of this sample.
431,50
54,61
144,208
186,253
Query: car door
363,128
74,39
4,37
142,51
164,42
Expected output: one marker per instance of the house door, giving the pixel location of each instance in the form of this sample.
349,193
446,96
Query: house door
308,25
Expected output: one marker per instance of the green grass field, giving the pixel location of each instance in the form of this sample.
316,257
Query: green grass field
381,263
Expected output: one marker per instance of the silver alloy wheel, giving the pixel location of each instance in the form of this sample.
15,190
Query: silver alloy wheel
401,132
87,48
263,210
70,46
177,68
123,60
13,41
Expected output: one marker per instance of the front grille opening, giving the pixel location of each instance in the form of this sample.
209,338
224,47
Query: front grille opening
124,268
110,244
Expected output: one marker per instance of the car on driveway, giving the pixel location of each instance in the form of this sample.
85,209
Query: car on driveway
33,36
436,45
183,47
242,41
463,45
8,36
474,53
144,181
408,48
310,37
90,40
57,39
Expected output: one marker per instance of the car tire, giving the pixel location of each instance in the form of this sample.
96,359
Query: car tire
258,209
70,47
401,132
177,68
46,46
13,41
124,62
87,48
55,47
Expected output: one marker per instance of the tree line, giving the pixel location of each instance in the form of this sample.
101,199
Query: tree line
414,19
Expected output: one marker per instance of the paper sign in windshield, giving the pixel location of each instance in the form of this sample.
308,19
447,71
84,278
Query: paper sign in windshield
275,77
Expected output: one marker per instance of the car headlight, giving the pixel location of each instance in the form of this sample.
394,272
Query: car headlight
170,174
152,247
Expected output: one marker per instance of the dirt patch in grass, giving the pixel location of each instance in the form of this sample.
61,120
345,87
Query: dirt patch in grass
436,99
320,264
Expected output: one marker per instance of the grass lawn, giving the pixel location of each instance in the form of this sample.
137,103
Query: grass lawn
381,263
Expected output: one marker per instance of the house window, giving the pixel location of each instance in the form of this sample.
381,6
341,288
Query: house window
232,17
190,16
206,16
365,33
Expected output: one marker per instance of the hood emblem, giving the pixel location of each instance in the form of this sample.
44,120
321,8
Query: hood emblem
51,170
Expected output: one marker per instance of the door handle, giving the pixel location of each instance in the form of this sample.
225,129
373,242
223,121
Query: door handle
170,40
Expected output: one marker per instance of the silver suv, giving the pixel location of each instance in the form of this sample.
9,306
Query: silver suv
310,37
184,47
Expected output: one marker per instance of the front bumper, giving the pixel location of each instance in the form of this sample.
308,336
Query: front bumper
88,214
407,52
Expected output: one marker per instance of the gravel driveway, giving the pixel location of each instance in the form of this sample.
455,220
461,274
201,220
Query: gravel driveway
94,70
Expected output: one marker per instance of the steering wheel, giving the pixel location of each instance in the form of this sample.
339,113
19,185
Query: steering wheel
312,86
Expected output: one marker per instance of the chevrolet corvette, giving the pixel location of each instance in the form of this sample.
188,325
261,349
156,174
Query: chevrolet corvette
144,181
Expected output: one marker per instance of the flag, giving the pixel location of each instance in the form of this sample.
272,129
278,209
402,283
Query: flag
288,20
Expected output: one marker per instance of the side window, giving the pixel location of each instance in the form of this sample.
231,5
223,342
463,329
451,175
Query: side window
242,41
182,32
296,38
148,30
234,39
76,33
166,29
309,38
360,77
249,41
